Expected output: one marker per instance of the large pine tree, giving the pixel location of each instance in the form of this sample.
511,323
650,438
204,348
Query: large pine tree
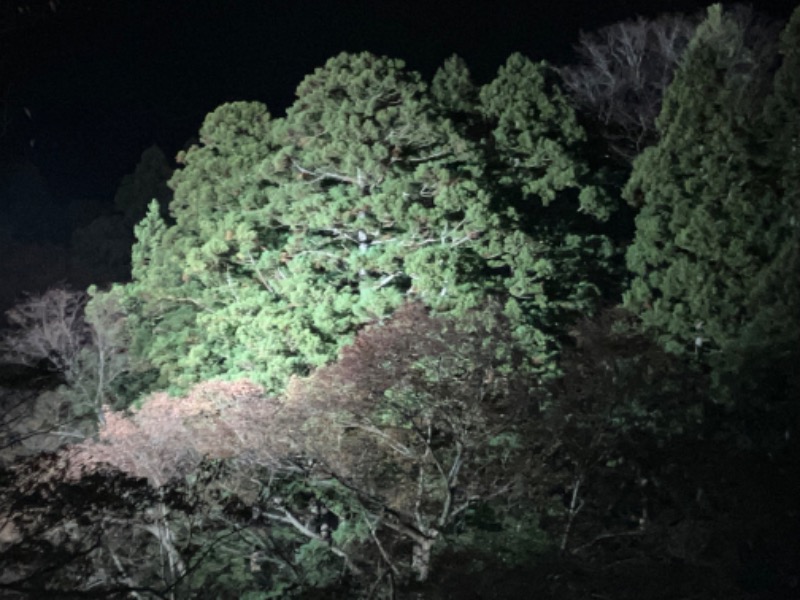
290,234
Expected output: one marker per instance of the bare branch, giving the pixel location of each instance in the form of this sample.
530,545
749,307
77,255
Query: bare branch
625,69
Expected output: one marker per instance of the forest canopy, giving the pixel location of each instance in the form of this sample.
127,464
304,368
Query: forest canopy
430,339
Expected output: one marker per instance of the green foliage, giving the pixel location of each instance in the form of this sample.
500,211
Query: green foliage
782,116
535,133
453,88
224,570
291,234
496,537
712,273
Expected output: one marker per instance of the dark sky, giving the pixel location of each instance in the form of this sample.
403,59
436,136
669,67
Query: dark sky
104,79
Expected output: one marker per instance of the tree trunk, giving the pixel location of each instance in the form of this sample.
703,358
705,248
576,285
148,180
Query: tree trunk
421,559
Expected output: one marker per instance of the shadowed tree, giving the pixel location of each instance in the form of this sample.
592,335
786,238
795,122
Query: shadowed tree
103,247
422,419
714,258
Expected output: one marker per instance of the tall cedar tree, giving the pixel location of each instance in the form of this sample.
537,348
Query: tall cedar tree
291,234
715,253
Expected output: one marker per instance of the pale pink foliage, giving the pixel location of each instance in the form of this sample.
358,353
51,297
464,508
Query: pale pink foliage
168,436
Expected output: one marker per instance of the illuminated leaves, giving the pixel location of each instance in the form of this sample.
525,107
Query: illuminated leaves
292,234
168,437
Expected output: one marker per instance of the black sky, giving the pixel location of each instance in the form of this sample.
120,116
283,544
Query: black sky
104,79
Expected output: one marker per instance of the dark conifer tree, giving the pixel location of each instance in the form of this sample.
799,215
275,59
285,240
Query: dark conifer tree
715,236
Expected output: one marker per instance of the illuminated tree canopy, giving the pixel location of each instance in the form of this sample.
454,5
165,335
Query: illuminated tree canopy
384,346
292,233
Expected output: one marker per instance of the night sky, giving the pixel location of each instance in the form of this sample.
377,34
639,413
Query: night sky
89,84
